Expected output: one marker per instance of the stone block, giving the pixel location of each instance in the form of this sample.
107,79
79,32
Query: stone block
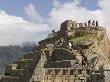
72,77
82,78
78,80
80,75
10,79
83,81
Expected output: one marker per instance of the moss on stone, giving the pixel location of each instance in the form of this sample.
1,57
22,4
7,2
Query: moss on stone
84,34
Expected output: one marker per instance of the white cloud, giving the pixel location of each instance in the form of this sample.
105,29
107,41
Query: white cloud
71,11
16,30
9,19
33,14
104,5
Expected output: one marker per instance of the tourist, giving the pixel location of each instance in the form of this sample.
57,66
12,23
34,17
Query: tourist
53,30
89,23
96,23
93,23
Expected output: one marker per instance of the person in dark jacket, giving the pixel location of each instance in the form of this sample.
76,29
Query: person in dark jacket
89,23
97,23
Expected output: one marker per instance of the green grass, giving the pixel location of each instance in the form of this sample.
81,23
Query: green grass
84,34
78,39
85,37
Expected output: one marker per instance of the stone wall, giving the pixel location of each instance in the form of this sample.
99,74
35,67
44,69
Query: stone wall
105,71
64,75
22,70
68,25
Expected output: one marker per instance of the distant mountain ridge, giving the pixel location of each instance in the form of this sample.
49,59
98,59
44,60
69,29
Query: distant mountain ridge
10,53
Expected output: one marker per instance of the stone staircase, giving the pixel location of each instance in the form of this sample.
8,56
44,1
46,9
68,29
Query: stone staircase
39,71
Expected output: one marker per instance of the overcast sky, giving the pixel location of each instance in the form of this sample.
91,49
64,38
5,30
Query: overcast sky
31,20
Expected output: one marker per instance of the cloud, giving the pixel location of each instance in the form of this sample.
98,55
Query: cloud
15,30
104,6
33,14
9,19
72,11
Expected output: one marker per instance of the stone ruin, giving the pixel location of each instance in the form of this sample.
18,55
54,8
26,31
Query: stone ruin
72,54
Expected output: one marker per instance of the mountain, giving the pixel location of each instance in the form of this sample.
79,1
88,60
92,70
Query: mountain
10,53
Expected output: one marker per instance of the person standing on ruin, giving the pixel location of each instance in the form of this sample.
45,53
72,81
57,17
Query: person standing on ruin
93,23
97,23
53,31
83,62
89,23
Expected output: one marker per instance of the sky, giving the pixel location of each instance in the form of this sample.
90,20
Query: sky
31,20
